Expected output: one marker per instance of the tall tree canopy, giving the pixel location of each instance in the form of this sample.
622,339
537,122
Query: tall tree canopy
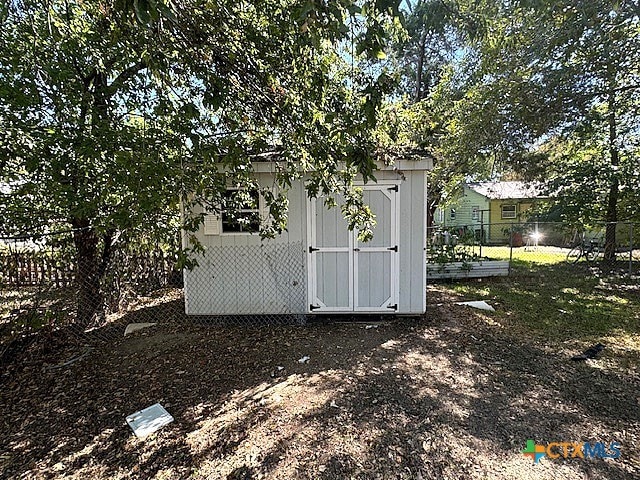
568,73
431,43
548,90
430,61
111,113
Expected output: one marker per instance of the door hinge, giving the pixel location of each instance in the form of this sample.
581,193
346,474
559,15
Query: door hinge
313,307
311,249
394,248
393,307
356,249
394,188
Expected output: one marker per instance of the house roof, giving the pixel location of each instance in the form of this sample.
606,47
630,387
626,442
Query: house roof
506,190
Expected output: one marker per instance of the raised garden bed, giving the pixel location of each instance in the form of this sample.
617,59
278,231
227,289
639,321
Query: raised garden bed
472,269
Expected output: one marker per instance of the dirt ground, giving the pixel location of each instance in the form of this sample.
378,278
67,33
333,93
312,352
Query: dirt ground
455,395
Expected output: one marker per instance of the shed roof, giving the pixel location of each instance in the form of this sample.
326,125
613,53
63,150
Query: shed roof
386,156
506,190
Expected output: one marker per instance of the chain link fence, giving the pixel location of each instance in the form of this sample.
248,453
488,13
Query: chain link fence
483,249
45,289
249,283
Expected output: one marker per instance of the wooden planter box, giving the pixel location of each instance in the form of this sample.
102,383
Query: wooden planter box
486,268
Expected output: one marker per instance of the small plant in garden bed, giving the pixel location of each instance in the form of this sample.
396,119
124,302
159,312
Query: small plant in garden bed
443,254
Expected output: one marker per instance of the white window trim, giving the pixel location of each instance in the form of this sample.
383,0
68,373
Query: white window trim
213,219
211,224
244,210
515,211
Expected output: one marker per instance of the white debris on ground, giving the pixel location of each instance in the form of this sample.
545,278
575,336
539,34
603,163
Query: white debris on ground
134,327
304,359
149,420
480,304
276,372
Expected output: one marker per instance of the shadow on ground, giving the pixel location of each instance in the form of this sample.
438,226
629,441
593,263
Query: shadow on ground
454,395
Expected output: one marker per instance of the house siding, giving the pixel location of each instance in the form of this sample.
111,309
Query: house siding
464,211
496,229
500,227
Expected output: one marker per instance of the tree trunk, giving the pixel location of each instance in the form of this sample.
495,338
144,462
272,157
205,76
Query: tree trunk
420,67
431,213
91,262
91,265
87,272
434,198
612,196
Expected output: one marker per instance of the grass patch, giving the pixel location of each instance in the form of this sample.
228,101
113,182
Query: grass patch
540,255
560,303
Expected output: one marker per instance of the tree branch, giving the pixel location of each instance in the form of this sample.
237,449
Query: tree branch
125,75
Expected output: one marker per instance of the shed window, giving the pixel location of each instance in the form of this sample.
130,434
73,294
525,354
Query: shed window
508,211
241,211
453,214
475,212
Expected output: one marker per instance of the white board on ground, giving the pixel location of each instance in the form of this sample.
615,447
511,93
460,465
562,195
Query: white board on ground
481,304
149,420
134,327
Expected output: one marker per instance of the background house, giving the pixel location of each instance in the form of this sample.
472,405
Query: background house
469,210
489,209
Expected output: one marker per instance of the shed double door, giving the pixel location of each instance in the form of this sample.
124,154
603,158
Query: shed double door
346,275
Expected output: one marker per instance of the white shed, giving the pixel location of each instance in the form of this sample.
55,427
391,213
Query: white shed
318,265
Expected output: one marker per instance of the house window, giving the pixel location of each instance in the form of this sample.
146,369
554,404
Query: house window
475,212
508,211
452,215
241,211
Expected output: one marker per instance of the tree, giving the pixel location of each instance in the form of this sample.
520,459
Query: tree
565,72
431,42
114,111
432,85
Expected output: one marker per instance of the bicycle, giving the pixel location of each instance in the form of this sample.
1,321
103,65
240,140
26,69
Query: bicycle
588,250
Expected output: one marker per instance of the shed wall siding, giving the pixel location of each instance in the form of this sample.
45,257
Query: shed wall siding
242,274
411,245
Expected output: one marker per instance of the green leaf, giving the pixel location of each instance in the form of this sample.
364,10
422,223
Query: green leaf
141,9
